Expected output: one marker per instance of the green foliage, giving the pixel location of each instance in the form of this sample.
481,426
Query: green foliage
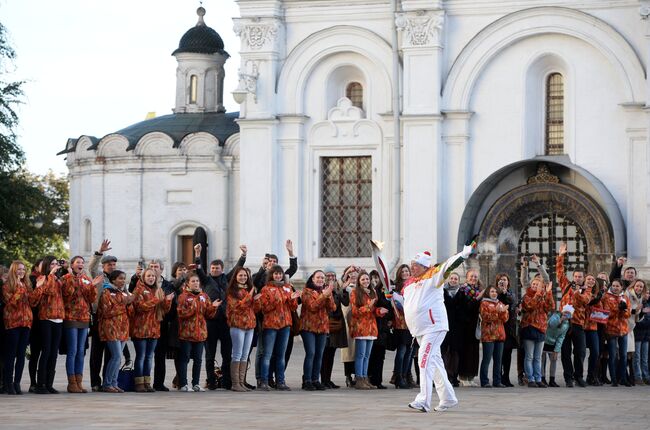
10,96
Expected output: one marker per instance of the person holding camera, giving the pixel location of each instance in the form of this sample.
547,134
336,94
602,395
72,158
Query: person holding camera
618,305
337,337
51,311
79,294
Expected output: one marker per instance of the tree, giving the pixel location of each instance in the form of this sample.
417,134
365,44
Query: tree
10,96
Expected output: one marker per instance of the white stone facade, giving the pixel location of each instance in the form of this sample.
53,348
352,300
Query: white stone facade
467,91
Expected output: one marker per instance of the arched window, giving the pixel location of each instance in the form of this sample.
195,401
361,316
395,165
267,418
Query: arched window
194,84
354,92
554,114
87,236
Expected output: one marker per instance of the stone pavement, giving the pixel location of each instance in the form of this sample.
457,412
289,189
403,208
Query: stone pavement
576,408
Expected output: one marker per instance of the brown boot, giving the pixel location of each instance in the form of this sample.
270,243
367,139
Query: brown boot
72,384
234,376
147,384
361,384
139,384
243,367
79,379
370,386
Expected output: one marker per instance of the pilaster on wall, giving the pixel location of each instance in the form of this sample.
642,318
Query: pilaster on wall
455,138
639,140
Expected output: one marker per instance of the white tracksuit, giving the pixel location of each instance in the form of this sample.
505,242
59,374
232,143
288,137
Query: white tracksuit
426,317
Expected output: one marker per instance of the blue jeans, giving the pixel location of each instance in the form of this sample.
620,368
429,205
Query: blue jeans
241,343
144,351
363,347
275,345
314,344
617,365
593,344
641,360
195,351
76,341
491,350
533,360
403,355
15,344
112,367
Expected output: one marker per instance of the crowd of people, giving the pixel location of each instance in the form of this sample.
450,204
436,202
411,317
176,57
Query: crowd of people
58,305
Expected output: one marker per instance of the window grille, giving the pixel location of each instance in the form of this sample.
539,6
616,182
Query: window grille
354,92
346,207
555,114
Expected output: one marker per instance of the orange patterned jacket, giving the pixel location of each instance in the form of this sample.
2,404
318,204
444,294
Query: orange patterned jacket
314,314
536,308
363,320
617,321
240,311
492,320
193,309
570,296
78,296
18,307
276,305
113,316
50,298
145,323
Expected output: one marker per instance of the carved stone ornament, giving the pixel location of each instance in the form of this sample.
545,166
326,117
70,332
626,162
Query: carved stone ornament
644,10
543,176
420,29
256,34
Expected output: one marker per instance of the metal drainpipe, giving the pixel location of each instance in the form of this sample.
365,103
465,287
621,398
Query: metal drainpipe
396,185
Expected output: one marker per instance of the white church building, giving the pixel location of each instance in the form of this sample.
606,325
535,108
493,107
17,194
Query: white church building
414,122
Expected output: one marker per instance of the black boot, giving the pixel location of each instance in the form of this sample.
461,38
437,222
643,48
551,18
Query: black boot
50,383
552,383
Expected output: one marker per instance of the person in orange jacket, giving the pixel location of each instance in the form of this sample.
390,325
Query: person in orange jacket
114,326
275,301
618,304
493,316
79,294
194,306
536,304
149,307
18,299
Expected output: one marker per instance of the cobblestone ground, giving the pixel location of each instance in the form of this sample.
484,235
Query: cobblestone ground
575,408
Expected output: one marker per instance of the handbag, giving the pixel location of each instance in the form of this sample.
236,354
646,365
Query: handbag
477,331
295,323
126,378
336,325
391,340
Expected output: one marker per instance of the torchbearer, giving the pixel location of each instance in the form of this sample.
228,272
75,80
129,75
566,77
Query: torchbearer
426,317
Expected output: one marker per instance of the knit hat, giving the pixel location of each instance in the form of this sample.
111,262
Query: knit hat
423,258
568,309
329,269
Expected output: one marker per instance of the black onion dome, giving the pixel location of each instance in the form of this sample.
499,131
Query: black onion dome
201,39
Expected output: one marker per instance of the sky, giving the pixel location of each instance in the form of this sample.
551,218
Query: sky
93,67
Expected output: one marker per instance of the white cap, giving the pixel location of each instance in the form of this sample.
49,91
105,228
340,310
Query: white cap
423,258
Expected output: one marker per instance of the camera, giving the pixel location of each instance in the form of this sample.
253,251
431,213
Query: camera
61,271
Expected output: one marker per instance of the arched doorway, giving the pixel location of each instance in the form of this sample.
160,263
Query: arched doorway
534,219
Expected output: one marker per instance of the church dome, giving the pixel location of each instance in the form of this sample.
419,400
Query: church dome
201,39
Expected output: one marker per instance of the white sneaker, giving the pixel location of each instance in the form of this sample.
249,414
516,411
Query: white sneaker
198,389
184,389
417,407
444,408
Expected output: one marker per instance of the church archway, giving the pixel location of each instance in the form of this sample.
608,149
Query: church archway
534,219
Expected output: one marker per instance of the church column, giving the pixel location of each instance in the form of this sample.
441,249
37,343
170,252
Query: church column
421,48
262,47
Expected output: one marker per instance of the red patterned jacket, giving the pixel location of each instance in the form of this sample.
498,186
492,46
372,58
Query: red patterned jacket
617,321
18,307
192,310
363,320
145,323
78,296
276,305
492,320
536,308
314,314
113,316
570,296
50,298
240,311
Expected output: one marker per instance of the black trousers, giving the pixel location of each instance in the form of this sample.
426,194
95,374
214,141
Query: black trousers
98,352
218,331
575,338
506,360
160,356
327,364
50,339
35,347
376,363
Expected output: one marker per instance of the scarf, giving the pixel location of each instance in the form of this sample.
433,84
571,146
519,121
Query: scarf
452,290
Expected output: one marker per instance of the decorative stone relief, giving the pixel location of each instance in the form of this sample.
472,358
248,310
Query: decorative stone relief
248,78
255,33
420,28
344,111
543,176
644,10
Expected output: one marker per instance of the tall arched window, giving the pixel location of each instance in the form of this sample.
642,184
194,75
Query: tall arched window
194,84
354,92
554,114
87,236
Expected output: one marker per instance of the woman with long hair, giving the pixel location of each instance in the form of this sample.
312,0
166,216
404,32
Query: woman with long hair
494,314
536,304
241,320
317,302
618,304
149,308
347,283
403,338
17,295
338,337
507,297
79,293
